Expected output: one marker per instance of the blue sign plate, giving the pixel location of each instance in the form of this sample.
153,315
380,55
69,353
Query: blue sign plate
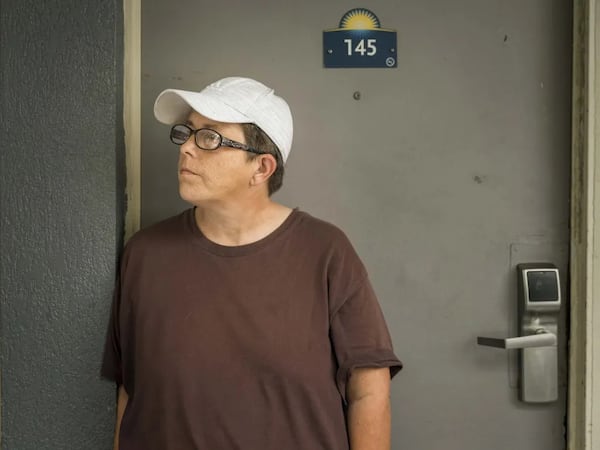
359,42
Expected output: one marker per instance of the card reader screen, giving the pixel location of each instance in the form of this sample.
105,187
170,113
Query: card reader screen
543,286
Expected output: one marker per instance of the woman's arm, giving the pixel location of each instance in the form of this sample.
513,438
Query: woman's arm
122,400
369,416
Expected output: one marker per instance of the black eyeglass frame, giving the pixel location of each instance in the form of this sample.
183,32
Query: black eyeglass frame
223,141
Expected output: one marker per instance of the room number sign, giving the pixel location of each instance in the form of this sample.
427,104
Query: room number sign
359,41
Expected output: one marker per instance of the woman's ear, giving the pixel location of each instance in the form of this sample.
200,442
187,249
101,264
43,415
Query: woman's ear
265,166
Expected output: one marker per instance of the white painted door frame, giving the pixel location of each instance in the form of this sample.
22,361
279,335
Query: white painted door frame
584,388
584,346
132,116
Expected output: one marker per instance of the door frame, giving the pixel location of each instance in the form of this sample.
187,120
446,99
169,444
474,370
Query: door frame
132,113
583,408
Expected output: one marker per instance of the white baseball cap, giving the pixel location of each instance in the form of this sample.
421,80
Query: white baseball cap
232,100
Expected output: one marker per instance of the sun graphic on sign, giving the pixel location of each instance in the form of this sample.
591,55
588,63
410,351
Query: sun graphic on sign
360,19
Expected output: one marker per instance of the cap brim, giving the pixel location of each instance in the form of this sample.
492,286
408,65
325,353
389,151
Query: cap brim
174,106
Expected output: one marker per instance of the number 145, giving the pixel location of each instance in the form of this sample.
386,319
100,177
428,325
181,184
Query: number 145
369,49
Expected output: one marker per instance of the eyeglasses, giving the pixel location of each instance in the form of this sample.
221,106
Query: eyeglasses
206,139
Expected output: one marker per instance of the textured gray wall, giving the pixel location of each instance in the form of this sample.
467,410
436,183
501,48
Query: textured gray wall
62,216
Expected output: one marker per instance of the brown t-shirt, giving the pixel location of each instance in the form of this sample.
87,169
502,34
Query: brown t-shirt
248,347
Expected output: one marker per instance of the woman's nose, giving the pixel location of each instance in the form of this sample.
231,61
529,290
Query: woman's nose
189,147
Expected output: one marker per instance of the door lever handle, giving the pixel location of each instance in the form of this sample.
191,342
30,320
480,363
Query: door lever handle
538,308
539,363
540,339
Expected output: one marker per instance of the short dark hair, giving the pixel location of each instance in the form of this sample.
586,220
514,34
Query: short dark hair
257,138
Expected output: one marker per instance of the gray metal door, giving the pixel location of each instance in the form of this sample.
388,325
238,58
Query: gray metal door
446,172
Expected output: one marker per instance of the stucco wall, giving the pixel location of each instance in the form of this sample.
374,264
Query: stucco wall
62,211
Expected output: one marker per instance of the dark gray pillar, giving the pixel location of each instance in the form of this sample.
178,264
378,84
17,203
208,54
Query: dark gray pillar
62,184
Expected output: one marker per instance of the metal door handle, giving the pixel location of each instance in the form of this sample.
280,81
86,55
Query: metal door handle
538,307
540,339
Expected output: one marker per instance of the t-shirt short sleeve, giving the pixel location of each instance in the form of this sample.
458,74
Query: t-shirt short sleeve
111,362
116,361
360,336
358,330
